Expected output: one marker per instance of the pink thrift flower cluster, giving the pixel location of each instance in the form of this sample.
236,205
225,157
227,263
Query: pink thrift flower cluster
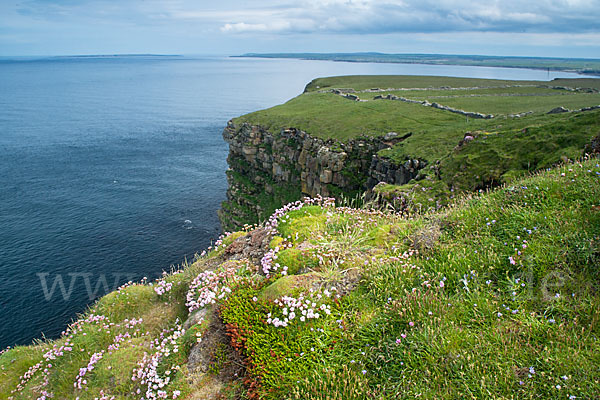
267,265
53,354
267,261
300,308
104,396
163,287
27,376
280,213
80,381
219,241
147,371
58,351
218,244
208,287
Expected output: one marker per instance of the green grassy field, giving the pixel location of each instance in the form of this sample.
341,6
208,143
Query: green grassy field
327,115
504,146
495,296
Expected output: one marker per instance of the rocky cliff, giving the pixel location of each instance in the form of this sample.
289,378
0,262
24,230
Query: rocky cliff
268,169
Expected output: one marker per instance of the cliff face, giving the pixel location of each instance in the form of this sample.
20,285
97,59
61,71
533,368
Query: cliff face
267,170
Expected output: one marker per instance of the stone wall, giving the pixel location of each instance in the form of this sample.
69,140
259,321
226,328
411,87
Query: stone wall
269,169
436,105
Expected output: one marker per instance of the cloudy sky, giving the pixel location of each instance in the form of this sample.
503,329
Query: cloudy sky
566,28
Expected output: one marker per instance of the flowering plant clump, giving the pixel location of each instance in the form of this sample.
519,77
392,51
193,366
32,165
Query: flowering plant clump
282,212
220,243
147,372
268,267
104,396
301,308
267,263
208,287
80,381
58,351
163,287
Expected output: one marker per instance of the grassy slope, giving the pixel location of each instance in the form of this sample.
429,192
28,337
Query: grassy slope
504,147
500,301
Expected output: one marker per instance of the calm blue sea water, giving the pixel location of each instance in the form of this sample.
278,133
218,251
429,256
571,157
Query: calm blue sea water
113,168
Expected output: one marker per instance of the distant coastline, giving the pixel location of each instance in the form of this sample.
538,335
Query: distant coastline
583,66
118,55
85,57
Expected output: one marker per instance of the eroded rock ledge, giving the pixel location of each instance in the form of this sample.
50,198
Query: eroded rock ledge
267,170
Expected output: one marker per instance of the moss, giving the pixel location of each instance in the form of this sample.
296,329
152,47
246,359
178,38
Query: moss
276,242
301,229
294,259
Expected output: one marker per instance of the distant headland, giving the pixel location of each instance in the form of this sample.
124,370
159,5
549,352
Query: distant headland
584,66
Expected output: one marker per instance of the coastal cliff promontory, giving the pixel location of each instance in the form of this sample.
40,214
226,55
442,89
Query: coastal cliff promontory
270,169
345,137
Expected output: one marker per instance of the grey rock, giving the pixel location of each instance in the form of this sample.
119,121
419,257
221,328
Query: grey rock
558,110
195,318
326,176
249,150
390,135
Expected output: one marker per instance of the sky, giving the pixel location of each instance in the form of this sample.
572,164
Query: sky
551,28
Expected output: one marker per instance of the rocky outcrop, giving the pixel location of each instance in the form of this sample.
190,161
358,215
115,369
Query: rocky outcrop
267,170
385,170
593,147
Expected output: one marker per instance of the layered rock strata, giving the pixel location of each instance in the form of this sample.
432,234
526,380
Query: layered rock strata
267,170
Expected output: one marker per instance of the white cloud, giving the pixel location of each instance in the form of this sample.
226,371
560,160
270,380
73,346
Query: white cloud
244,27
487,26
385,16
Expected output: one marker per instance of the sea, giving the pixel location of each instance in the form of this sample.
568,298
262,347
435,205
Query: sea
112,168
